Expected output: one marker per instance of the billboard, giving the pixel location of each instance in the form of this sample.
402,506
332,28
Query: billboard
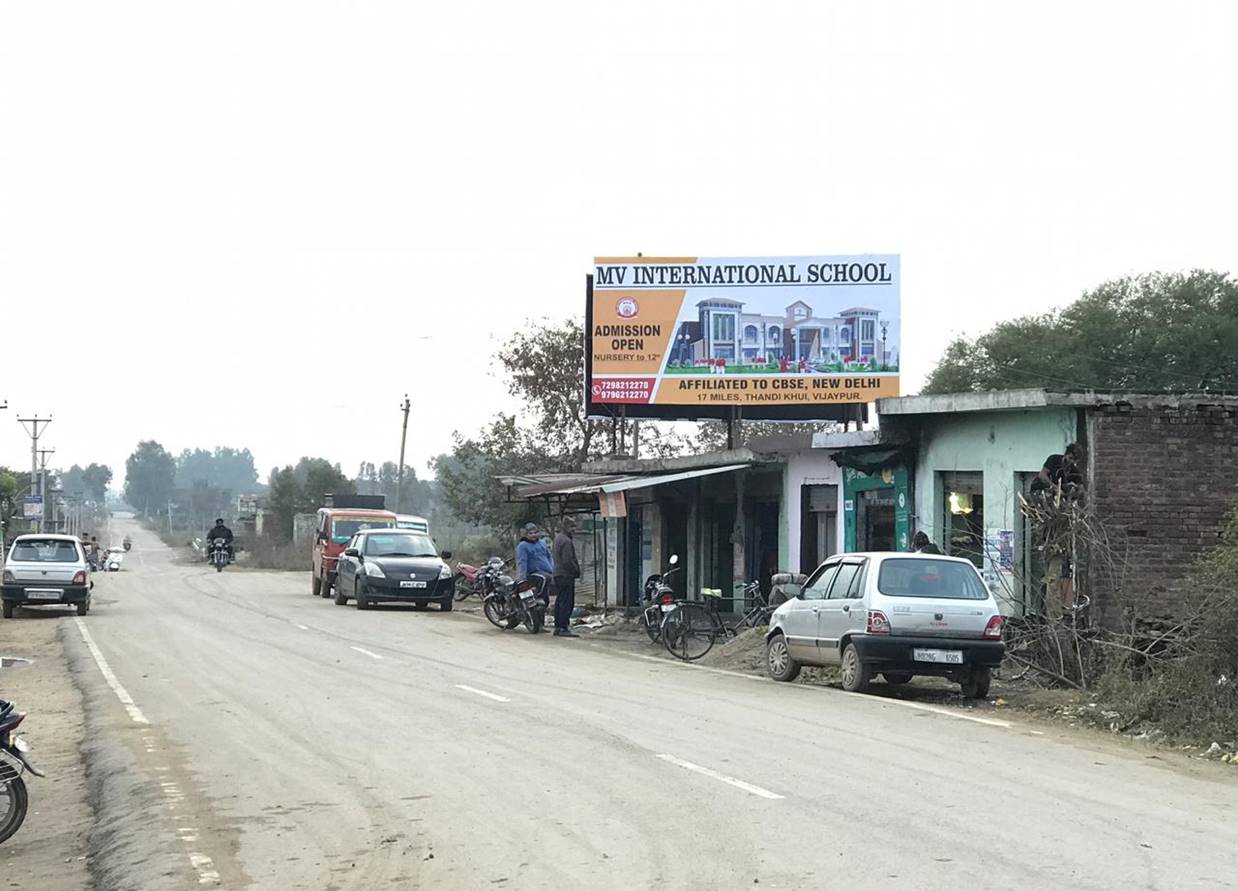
32,507
771,336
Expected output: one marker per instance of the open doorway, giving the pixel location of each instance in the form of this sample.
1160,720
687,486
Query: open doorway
818,525
875,520
963,519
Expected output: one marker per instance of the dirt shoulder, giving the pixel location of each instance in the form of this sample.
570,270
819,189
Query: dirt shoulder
51,850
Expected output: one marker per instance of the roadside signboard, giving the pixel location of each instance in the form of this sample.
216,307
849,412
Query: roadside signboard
32,507
688,336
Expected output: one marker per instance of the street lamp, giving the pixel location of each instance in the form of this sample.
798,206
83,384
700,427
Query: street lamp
885,354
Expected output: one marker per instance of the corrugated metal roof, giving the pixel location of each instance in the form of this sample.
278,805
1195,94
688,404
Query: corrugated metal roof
592,484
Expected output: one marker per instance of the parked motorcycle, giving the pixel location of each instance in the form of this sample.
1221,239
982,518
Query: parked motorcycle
518,603
477,580
658,598
219,553
14,762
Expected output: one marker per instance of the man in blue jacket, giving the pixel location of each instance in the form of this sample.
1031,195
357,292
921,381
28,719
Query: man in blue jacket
532,556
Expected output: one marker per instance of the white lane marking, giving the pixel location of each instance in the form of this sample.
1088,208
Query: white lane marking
366,652
493,696
722,778
935,709
207,875
302,627
121,693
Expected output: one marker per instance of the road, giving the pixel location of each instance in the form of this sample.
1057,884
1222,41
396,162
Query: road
272,740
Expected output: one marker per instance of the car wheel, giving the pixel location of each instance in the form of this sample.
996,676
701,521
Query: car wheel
341,599
976,684
855,673
778,660
359,597
897,678
316,586
446,604
8,610
83,607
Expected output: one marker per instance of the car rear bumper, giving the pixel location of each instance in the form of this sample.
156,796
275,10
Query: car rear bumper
19,592
898,653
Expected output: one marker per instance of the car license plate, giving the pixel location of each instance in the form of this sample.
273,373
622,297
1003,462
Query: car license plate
44,593
412,584
948,657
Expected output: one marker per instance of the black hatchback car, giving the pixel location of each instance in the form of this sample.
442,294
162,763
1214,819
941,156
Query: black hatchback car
394,565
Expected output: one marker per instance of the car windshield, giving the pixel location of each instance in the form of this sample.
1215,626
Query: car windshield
399,544
44,550
344,528
942,579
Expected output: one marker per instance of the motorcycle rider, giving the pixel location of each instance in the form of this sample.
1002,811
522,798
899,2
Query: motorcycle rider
533,558
220,531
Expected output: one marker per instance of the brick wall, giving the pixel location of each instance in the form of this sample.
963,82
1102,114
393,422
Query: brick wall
1163,480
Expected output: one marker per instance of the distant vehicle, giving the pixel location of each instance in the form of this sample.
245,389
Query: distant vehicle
333,531
43,570
896,614
394,565
416,524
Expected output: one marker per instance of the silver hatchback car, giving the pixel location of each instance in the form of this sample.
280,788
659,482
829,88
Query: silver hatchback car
896,614
46,569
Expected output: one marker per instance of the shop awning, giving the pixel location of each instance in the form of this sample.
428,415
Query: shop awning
594,484
871,460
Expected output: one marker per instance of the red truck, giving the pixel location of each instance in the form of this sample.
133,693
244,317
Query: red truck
337,524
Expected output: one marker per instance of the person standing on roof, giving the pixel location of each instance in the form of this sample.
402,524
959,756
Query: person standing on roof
533,558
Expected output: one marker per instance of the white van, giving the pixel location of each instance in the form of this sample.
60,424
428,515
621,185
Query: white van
415,524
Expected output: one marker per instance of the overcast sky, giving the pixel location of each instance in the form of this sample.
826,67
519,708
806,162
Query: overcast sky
281,197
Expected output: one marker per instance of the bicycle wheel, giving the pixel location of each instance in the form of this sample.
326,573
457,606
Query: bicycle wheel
689,632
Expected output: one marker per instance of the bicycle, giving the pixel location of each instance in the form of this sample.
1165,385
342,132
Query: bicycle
691,629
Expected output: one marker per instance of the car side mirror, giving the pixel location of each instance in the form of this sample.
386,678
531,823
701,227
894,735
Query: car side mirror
446,555
351,552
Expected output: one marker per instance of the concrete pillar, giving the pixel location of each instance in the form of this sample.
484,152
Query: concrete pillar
738,573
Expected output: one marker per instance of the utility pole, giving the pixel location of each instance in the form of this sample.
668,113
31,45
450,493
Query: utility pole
33,432
43,453
399,474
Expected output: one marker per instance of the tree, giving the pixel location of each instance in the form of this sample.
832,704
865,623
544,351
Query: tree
1159,331
466,476
545,365
416,496
150,474
10,496
95,479
226,468
300,489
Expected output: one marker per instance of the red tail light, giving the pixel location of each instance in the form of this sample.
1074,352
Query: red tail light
993,630
80,578
877,622
666,598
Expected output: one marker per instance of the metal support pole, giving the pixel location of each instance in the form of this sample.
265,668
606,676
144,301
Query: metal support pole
399,474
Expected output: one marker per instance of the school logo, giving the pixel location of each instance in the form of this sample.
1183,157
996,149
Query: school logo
627,307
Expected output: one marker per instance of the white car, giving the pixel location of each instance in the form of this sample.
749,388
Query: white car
46,569
896,614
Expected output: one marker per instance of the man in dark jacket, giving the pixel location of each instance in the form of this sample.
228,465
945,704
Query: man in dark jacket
567,571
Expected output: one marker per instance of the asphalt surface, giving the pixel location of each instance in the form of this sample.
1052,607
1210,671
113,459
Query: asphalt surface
270,739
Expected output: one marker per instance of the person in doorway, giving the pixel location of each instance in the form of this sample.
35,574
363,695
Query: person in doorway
922,544
533,558
566,572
